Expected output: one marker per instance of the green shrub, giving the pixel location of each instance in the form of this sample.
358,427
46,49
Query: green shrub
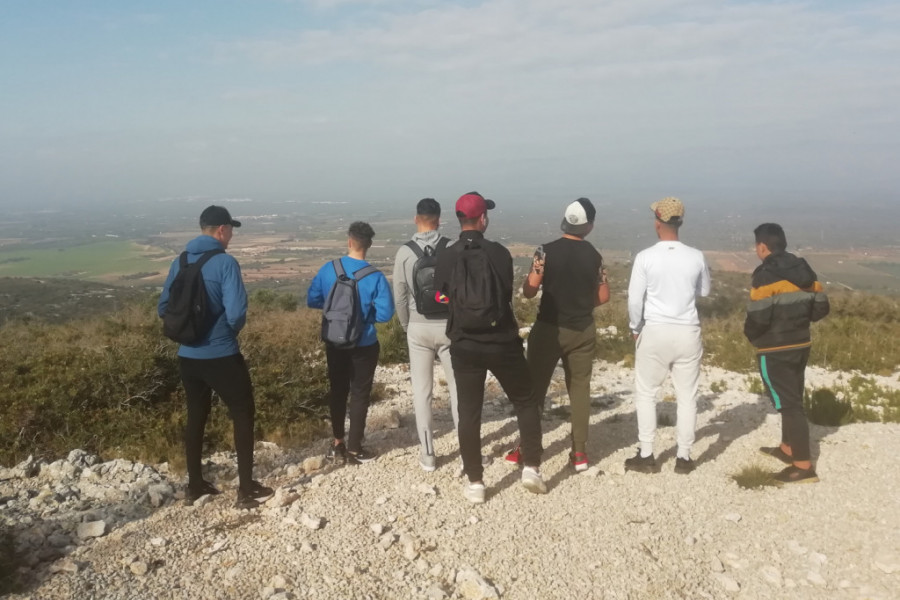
392,338
111,385
824,408
755,386
753,477
266,299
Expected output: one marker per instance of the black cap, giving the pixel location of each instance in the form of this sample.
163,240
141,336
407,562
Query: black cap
213,216
428,206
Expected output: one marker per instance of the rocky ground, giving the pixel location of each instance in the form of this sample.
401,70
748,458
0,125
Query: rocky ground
82,528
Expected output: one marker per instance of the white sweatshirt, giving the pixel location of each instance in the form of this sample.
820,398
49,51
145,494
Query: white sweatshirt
665,280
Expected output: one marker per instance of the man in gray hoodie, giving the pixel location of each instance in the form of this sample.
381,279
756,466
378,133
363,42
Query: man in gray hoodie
424,320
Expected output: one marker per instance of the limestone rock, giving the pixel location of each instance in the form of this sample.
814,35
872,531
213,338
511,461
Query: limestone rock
66,565
91,529
313,463
772,575
139,568
312,522
472,586
727,583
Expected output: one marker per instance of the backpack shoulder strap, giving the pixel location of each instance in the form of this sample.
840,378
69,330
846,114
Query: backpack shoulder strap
338,268
206,256
415,248
367,270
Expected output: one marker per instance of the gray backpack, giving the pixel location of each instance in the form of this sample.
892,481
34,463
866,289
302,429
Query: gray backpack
342,318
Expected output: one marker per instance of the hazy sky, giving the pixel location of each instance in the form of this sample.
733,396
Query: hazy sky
397,99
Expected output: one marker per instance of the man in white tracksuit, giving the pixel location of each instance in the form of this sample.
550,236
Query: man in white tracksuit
425,325
665,280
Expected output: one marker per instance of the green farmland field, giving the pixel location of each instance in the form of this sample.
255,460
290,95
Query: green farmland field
107,260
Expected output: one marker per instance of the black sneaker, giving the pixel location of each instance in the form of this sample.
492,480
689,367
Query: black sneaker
794,474
337,454
777,452
642,464
194,492
252,497
684,465
361,456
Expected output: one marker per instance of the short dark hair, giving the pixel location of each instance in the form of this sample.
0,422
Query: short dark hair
772,235
428,206
361,233
466,222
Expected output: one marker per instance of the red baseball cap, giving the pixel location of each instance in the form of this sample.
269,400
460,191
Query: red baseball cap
473,205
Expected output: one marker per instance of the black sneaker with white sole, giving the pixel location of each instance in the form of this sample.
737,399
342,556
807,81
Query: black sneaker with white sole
361,456
253,495
642,464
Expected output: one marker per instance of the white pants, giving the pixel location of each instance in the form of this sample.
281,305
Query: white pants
426,342
662,349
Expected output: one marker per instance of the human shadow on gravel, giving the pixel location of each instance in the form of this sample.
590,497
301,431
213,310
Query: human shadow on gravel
619,431
728,426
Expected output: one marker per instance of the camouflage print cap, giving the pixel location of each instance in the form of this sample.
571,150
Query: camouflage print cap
668,210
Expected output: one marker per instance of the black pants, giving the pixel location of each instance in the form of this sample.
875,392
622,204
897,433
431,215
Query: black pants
511,370
784,374
229,378
351,372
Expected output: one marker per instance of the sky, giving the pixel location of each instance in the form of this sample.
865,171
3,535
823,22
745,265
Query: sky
392,100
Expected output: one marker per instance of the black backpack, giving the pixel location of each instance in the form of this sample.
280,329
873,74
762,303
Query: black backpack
476,303
423,280
342,318
187,317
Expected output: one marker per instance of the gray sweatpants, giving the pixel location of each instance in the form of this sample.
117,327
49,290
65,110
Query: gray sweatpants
662,349
426,342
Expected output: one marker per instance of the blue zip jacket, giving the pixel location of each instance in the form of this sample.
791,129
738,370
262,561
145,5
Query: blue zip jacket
227,299
375,297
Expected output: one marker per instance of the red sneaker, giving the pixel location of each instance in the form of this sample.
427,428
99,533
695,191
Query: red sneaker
514,457
579,460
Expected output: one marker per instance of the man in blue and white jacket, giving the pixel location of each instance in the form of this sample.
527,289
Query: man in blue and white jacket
351,371
215,363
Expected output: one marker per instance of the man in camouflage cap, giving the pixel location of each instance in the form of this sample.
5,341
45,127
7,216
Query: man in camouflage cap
665,280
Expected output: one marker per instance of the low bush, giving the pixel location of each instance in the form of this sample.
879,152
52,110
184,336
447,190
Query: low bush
110,385
823,407
392,339
754,477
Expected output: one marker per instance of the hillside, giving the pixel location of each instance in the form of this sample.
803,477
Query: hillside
389,530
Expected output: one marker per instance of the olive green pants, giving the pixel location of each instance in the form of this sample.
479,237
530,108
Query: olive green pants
547,344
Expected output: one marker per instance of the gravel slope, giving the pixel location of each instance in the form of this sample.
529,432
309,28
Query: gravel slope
390,530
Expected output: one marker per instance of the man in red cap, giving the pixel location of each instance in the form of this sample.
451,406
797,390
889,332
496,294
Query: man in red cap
475,276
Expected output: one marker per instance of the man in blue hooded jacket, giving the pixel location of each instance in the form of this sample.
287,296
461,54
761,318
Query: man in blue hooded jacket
215,363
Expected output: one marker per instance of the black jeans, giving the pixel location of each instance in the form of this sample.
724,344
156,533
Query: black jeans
511,370
229,378
784,374
351,372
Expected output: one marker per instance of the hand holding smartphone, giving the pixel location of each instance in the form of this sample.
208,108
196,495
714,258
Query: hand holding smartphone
537,263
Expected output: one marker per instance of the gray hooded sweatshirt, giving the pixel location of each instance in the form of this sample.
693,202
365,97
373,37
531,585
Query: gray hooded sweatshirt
404,296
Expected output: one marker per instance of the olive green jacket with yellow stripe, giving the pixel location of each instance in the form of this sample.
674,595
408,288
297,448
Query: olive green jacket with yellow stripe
785,297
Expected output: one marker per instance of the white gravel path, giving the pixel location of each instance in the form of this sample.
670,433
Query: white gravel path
389,530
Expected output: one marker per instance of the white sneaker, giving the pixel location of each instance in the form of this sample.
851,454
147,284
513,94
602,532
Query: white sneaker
474,493
427,462
531,479
485,461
